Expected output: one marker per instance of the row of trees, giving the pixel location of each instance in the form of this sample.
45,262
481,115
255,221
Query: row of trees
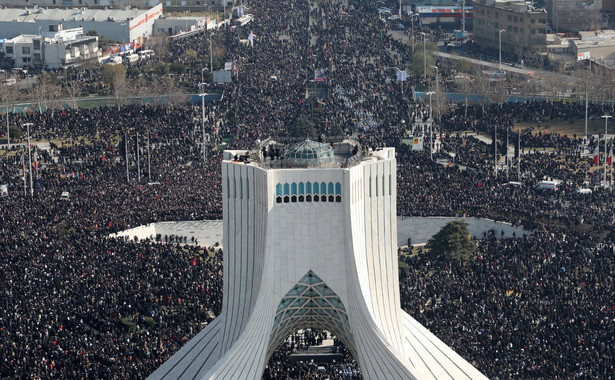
573,81
167,75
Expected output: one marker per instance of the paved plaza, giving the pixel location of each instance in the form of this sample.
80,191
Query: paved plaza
420,229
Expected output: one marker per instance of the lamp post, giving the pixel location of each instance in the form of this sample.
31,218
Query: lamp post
437,82
8,128
126,153
501,30
495,151
430,93
211,54
27,125
202,95
587,94
412,29
424,58
149,163
606,120
138,160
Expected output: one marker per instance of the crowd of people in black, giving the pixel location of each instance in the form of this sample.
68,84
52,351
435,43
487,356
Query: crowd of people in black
78,304
281,365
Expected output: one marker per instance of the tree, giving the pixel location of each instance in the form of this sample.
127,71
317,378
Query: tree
452,242
174,94
74,89
417,62
481,86
159,42
303,127
15,132
104,43
115,76
177,68
190,55
335,130
161,69
47,90
462,66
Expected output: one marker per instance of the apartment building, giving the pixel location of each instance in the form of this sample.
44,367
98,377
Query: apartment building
520,26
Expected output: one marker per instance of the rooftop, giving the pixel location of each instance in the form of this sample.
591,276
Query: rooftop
301,154
42,14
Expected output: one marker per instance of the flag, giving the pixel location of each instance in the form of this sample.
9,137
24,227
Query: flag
35,157
251,38
610,158
402,75
597,153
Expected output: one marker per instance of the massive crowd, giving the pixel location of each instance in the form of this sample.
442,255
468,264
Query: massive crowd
77,304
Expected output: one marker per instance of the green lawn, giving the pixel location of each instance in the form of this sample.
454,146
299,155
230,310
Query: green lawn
564,127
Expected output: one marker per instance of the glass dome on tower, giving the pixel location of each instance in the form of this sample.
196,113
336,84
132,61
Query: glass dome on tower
309,153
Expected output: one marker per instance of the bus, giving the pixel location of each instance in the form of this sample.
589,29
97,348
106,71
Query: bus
494,75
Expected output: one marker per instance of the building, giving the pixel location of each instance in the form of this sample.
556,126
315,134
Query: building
429,14
176,25
568,16
597,46
309,241
141,4
524,28
51,49
123,25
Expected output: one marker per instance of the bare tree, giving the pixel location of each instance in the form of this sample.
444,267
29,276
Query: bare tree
500,91
47,91
174,94
159,42
74,89
481,86
115,77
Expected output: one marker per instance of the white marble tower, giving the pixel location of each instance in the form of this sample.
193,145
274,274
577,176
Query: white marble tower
309,241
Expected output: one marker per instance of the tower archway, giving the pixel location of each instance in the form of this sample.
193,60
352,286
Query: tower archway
310,304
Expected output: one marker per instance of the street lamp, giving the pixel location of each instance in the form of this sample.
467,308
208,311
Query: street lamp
424,59
202,95
501,30
586,94
437,82
27,125
412,29
430,93
606,119
8,128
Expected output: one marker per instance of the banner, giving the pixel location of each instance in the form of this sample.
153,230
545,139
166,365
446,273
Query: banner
319,75
222,76
402,75
583,55
417,143
4,191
